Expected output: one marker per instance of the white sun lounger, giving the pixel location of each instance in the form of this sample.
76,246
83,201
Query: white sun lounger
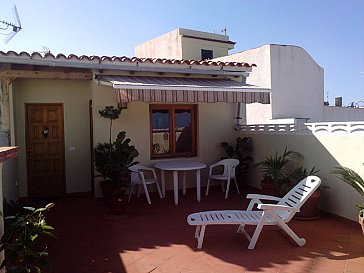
268,214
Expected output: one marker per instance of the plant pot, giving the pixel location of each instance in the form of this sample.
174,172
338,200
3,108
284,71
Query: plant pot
107,192
118,205
269,189
310,211
361,222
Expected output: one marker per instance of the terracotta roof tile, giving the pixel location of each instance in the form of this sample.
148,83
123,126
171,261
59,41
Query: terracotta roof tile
73,57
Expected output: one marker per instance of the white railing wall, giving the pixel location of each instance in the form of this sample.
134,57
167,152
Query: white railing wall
323,145
306,128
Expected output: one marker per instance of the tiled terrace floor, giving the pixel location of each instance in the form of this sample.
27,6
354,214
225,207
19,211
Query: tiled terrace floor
156,238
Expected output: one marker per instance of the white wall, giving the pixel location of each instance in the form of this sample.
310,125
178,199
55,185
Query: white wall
164,46
324,151
297,84
332,113
295,79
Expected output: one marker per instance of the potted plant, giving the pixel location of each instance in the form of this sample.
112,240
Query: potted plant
276,170
19,241
310,210
242,152
112,161
353,179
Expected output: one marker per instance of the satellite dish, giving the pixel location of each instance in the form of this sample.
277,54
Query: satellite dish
14,27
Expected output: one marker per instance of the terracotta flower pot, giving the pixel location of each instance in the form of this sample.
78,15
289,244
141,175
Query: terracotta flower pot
310,211
269,189
361,222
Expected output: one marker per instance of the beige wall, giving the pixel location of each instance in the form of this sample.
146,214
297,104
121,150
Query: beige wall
75,97
191,48
323,151
215,124
174,45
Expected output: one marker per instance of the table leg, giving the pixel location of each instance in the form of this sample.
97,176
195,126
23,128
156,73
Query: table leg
184,183
198,186
175,186
163,184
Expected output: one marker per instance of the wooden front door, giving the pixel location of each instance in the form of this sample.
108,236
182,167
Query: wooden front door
45,150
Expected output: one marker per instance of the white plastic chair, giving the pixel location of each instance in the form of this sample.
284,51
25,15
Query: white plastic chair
268,214
228,174
138,179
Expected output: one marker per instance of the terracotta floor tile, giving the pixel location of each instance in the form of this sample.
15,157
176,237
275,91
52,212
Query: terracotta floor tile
156,238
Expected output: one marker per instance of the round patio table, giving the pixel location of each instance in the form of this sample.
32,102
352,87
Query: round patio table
180,165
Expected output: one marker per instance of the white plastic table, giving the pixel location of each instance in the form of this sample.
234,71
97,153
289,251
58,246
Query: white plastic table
180,165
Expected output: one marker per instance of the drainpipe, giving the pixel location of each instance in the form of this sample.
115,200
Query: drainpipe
239,116
240,109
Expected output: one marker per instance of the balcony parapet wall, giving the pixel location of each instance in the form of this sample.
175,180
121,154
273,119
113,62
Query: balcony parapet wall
332,128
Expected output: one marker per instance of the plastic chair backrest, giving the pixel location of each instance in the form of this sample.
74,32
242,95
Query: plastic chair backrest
135,175
229,166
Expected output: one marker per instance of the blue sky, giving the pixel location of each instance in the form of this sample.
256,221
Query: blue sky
331,31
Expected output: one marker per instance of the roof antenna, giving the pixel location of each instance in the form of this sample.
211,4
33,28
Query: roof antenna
221,31
14,27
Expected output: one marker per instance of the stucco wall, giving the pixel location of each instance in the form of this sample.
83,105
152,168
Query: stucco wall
295,79
75,97
324,152
297,84
215,124
191,48
260,76
165,46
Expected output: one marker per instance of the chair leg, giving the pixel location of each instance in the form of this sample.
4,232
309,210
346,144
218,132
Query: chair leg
289,231
208,186
241,229
236,184
138,190
131,190
159,190
200,236
257,231
147,193
227,188
223,186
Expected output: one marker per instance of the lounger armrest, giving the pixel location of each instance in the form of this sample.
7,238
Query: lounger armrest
277,207
263,197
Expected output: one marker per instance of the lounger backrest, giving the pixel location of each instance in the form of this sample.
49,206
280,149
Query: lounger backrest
297,196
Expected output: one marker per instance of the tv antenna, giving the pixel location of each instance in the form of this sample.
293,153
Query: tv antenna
13,28
222,31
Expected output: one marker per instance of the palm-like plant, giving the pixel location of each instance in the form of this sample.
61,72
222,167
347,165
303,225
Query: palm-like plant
277,168
353,179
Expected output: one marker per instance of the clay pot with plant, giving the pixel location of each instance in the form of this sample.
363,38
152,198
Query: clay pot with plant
354,180
242,151
310,210
112,161
276,171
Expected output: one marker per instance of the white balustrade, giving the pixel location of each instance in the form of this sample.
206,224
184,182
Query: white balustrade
336,128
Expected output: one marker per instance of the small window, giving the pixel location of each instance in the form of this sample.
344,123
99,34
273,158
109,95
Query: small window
173,130
206,54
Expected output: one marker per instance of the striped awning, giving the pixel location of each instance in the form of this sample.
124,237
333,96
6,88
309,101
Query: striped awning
187,90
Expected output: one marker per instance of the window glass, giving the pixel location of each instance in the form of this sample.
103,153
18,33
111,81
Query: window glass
206,54
160,132
183,130
173,130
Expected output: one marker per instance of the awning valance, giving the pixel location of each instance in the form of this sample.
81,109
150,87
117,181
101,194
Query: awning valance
188,90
